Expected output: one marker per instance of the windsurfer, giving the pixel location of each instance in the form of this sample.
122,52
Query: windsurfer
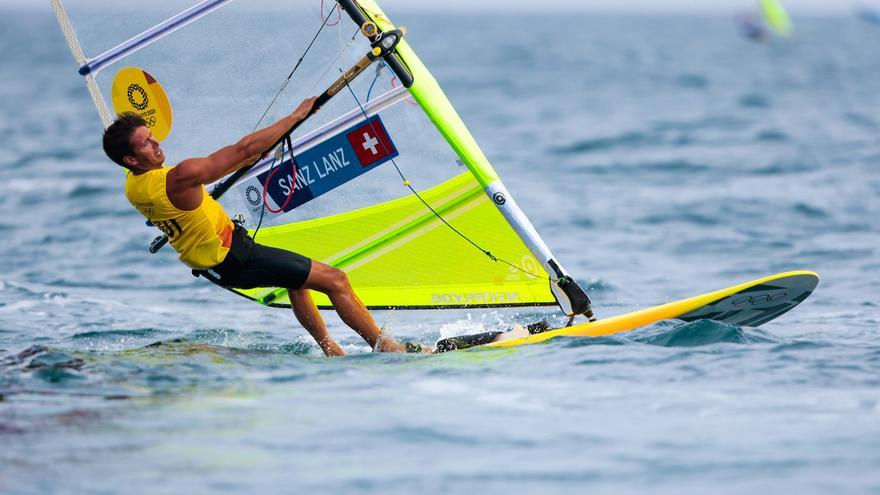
175,200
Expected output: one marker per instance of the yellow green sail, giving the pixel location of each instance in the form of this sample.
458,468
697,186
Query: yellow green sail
400,255
777,18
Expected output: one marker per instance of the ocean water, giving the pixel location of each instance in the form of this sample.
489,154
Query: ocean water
660,157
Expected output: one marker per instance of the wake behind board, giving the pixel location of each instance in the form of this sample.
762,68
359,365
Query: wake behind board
750,304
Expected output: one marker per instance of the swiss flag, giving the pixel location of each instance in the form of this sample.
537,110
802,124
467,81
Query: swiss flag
371,143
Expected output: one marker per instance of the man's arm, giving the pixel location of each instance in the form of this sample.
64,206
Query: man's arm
194,172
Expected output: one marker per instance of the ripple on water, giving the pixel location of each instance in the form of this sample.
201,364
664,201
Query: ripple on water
671,168
625,140
608,340
692,81
771,136
754,100
699,333
787,167
810,211
118,334
682,215
862,120
798,345
87,191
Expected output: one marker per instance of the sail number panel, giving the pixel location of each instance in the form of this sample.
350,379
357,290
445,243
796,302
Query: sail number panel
320,169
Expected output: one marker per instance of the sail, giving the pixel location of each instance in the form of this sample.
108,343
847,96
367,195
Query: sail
777,18
384,182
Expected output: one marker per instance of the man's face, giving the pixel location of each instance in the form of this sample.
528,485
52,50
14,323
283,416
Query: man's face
145,148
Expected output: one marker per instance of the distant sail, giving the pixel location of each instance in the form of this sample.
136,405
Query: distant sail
777,18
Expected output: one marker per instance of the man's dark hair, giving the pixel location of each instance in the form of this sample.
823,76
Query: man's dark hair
117,137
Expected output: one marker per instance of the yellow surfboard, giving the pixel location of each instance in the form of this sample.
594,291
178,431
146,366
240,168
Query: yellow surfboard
135,90
750,304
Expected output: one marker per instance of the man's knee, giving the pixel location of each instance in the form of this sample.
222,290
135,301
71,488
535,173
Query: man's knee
333,279
327,279
339,279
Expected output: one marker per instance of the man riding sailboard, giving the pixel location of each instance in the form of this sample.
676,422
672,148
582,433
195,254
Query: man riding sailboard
176,201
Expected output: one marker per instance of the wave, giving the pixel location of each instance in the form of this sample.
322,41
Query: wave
163,368
754,100
609,340
862,120
118,334
771,136
675,167
84,191
681,216
661,134
625,140
798,345
692,81
700,333
787,167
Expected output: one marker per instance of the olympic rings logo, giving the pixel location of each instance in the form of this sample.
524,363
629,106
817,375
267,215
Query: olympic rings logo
142,93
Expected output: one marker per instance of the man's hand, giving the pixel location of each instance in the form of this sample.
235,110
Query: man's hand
304,108
185,180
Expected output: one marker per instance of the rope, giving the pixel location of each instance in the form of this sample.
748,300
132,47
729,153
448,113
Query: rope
272,171
295,67
335,61
379,68
277,158
406,181
338,17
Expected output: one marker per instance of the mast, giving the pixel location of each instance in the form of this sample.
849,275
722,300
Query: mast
79,57
427,92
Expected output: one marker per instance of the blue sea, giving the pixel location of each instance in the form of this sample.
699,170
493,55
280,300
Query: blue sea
659,157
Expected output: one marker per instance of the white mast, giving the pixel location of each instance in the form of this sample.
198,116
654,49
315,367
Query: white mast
76,50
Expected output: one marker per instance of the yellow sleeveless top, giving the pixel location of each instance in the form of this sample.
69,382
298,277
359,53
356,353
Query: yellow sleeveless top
201,237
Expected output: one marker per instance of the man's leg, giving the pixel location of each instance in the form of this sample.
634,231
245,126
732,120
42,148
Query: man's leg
310,318
335,284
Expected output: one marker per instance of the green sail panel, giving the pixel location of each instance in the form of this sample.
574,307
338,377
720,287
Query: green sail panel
399,254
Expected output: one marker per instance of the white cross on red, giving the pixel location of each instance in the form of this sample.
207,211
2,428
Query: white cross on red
370,143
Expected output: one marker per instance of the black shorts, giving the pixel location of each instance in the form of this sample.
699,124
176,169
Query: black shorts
249,265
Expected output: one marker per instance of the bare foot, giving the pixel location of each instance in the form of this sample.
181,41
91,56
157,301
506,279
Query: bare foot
517,332
386,343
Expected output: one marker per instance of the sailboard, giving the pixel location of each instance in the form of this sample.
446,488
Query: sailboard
385,182
750,304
